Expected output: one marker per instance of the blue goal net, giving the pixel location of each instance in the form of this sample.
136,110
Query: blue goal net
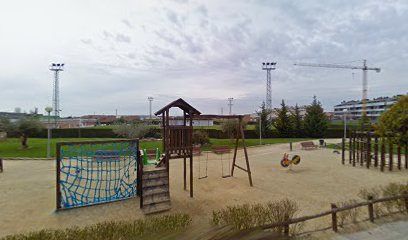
96,172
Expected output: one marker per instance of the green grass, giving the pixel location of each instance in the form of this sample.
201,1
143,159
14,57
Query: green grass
149,228
38,146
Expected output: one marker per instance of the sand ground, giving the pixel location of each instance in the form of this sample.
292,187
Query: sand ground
27,189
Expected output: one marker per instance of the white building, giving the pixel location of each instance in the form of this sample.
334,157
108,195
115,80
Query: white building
354,109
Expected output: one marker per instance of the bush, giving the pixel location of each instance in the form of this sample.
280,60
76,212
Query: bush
252,215
348,215
200,137
139,130
150,228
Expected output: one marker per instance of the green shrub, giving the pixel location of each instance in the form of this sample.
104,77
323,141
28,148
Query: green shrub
252,215
150,228
200,137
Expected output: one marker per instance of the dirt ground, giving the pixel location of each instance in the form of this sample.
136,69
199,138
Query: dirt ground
27,189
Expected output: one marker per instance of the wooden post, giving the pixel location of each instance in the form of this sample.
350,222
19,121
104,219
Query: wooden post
390,153
406,156
58,165
286,230
371,208
1,165
185,173
362,150
191,155
399,156
358,147
343,146
368,150
382,154
245,152
350,146
406,200
290,146
354,148
334,217
375,151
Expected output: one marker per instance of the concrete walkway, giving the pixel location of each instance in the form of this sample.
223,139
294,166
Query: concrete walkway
388,231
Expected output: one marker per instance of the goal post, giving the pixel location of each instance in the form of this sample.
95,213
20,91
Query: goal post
95,172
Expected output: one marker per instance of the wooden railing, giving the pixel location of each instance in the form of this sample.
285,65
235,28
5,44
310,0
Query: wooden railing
334,210
180,139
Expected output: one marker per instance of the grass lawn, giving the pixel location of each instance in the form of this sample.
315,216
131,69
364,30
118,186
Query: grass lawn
38,146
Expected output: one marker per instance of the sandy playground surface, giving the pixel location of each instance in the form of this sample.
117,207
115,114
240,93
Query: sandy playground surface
27,189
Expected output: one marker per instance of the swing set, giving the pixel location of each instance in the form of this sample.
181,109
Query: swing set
221,150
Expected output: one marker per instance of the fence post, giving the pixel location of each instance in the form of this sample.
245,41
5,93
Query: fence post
286,230
406,200
334,217
358,147
399,156
1,165
375,151
350,146
362,148
382,154
354,148
343,146
290,146
371,208
390,153
368,149
406,156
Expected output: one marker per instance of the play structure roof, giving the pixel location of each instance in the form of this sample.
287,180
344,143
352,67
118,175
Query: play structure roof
180,103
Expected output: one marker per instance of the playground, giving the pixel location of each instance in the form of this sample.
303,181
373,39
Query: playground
27,189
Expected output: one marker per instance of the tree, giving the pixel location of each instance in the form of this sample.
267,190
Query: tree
315,122
394,122
297,123
283,123
266,122
136,130
27,127
6,125
230,127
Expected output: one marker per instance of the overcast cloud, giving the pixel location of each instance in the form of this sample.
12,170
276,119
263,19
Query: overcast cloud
117,53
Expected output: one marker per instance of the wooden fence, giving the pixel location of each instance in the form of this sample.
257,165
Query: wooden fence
367,149
334,210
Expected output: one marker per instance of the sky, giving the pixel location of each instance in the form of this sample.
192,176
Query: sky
119,53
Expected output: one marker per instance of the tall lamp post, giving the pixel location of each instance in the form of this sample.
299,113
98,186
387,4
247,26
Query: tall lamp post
48,110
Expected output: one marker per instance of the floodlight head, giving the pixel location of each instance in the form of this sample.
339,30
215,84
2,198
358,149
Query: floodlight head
263,63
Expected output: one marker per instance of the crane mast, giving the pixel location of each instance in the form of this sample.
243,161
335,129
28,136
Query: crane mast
365,81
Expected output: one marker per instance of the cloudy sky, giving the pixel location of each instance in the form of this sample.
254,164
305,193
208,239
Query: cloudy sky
118,53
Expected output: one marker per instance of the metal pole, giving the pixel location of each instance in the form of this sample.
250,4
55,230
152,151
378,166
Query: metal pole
49,137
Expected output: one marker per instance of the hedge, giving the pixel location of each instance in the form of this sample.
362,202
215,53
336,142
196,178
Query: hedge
108,133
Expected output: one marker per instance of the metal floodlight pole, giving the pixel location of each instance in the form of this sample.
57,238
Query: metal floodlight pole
268,66
150,107
230,105
48,110
56,68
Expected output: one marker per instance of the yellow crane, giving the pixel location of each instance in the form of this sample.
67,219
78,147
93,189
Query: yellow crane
364,68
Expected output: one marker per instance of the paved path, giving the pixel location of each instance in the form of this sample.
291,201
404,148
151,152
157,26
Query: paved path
388,231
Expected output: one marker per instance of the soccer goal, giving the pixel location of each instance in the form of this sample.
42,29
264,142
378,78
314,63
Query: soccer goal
94,172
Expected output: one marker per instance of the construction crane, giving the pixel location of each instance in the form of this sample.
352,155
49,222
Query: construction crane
364,68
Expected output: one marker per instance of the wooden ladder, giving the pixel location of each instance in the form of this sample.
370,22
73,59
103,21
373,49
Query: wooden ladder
155,190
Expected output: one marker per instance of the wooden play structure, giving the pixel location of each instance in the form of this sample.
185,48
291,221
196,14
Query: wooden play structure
368,149
178,143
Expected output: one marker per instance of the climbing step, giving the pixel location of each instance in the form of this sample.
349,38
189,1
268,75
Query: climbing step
156,207
157,198
155,182
155,190
153,175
